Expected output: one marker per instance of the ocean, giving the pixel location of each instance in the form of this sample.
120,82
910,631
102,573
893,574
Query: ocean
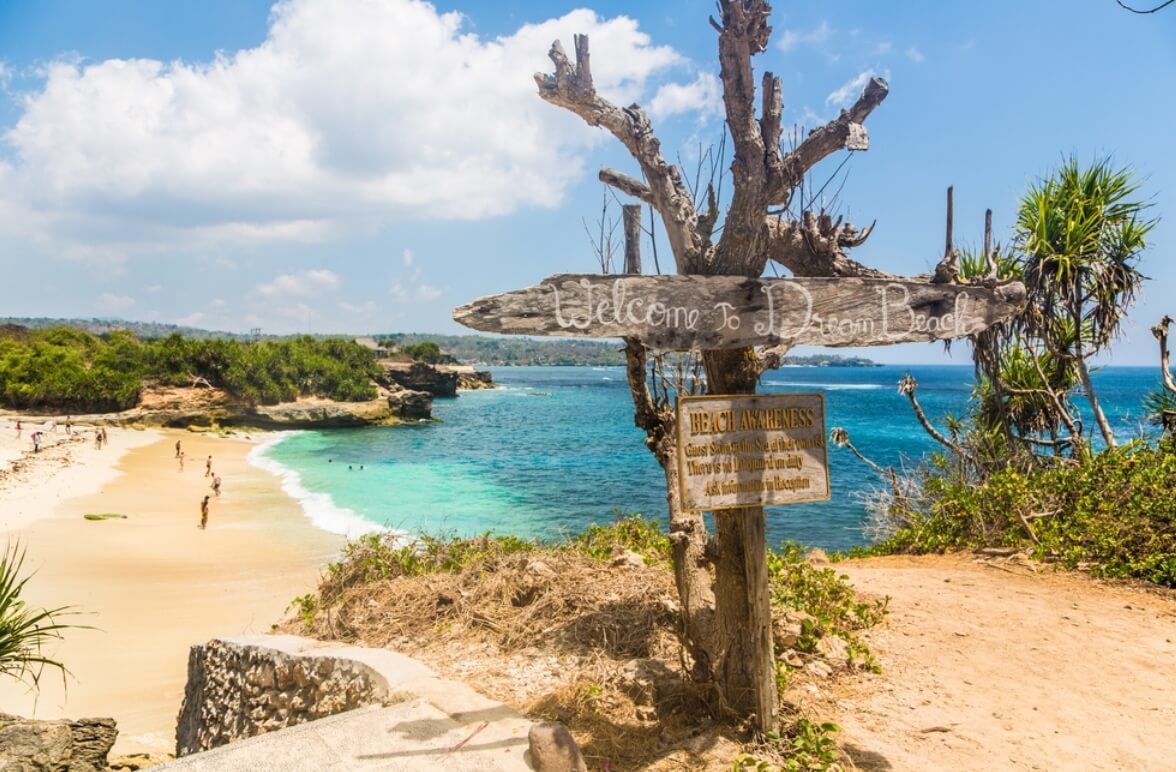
555,450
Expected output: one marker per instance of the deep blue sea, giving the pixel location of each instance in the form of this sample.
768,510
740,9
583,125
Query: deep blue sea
556,449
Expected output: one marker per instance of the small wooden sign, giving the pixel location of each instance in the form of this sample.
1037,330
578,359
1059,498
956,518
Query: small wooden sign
751,450
680,313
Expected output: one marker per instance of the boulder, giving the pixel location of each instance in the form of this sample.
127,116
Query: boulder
411,405
553,749
27,745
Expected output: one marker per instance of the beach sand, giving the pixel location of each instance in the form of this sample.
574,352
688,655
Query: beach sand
153,584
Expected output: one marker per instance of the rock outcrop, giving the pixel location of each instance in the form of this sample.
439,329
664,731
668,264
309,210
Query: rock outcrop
438,380
184,407
27,745
418,376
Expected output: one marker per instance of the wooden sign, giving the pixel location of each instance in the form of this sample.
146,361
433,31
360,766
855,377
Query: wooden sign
751,450
680,313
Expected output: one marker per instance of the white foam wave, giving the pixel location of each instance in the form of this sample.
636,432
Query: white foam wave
319,508
827,386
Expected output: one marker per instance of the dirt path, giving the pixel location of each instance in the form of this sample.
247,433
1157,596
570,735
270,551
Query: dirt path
990,666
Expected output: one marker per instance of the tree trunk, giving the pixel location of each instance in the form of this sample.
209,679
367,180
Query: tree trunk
746,666
1099,417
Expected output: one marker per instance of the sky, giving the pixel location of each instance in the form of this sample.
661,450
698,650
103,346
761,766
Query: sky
365,166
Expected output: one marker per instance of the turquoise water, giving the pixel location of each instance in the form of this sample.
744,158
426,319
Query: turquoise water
556,450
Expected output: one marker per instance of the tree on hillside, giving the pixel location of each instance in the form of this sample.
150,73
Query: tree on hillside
727,626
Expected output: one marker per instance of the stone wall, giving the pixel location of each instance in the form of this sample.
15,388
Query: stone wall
237,690
27,745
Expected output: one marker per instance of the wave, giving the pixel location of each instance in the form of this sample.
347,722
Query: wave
319,508
827,386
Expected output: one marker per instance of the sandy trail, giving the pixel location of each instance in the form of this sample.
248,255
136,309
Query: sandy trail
990,666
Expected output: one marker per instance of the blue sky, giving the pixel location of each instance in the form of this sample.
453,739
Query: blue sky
368,165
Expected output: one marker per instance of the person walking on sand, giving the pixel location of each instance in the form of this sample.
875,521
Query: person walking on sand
178,451
181,458
19,429
98,439
216,482
69,424
208,467
204,513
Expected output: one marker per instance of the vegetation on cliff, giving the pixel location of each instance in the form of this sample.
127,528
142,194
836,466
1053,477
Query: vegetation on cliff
66,369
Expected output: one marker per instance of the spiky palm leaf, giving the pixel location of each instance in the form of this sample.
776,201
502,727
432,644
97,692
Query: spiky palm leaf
24,630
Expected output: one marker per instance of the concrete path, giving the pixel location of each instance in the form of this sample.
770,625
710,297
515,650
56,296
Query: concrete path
431,724
414,735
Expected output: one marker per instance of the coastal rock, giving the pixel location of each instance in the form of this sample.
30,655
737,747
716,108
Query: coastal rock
27,745
417,376
470,379
317,414
553,749
409,405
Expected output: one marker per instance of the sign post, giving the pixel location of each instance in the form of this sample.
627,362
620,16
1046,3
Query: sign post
752,450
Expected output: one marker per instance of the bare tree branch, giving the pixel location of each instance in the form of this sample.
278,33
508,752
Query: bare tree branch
571,87
815,246
846,131
626,184
1142,11
1161,333
907,386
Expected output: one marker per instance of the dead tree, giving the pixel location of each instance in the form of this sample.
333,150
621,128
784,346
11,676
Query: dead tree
727,624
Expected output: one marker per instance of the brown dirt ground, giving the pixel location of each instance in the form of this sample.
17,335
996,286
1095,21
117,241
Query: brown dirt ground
988,663
994,664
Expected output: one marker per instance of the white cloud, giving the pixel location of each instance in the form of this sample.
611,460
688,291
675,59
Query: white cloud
112,303
849,91
425,292
883,48
397,291
191,320
151,289
915,55
408,258
790,38
365,308
300,284
217,303
343,118
703,96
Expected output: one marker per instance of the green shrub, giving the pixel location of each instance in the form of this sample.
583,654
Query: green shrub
1113,514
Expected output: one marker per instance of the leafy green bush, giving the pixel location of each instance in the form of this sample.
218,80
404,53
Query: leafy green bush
69,370
628,532
1113,513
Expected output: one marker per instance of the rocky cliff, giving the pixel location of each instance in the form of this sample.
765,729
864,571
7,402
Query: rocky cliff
438,380
79,746
182,407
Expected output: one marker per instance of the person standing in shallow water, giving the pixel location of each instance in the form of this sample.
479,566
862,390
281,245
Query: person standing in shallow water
204,513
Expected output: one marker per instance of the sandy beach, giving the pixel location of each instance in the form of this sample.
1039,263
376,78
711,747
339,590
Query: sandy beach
154,583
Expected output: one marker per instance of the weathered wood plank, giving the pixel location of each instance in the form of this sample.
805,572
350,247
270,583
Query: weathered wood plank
679,313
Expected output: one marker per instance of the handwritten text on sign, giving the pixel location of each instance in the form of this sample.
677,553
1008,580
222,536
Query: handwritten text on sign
759,449
684,312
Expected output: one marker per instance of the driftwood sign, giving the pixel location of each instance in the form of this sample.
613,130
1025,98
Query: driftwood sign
680,313
750,450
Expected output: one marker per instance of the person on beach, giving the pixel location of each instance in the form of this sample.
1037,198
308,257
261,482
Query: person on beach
204,513
69,424
19,429
105,437
178,451
216,482
98,439
36,442
181,458
208,467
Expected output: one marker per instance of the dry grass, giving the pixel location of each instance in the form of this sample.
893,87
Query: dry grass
565,633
